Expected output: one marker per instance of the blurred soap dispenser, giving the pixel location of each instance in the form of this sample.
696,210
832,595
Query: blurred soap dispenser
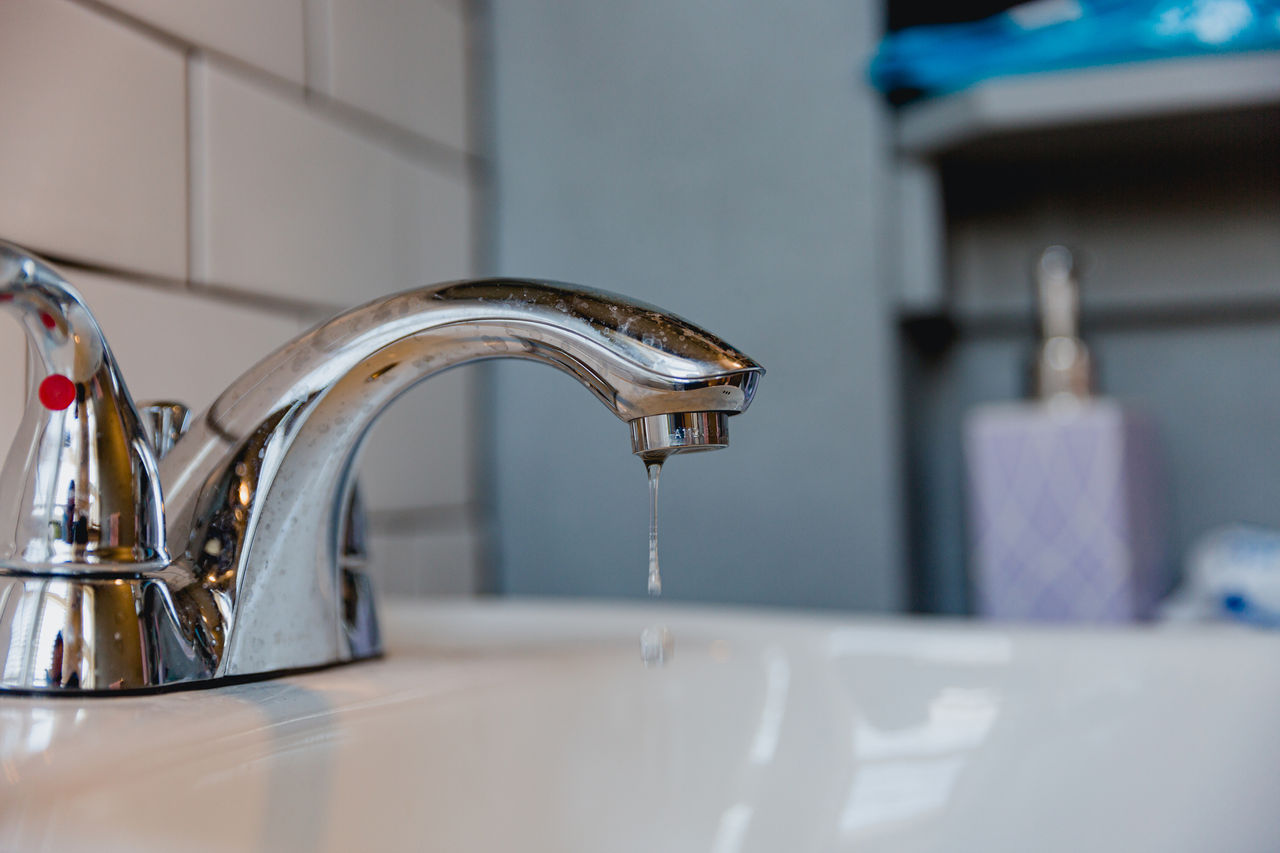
1065,490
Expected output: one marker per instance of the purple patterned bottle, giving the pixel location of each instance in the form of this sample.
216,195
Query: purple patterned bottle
1065,498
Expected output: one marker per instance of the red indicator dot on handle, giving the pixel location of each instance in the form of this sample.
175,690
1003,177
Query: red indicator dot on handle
48,320
57,392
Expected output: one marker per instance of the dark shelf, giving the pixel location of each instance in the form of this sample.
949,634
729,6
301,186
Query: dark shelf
1186,104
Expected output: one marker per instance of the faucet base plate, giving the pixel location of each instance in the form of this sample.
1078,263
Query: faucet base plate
151,632
181,686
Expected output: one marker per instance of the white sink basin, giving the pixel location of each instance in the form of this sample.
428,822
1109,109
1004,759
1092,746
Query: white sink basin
535,727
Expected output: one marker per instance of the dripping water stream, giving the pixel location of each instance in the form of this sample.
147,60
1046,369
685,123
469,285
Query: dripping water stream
656,643
655,573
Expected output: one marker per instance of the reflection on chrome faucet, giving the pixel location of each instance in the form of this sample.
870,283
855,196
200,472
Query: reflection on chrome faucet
237,567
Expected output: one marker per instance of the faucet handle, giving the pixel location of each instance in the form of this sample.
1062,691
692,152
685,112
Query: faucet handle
79,490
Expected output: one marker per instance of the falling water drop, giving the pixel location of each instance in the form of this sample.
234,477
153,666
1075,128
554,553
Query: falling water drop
656,645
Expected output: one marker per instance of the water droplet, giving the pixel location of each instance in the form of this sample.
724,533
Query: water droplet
657,646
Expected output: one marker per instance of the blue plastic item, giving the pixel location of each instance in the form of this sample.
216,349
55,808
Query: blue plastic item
1052,35
1233,575
1239,607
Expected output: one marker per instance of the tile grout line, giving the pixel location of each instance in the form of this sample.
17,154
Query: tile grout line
227,294
307,58
421,150
481,400
139,25
317,42
196,157
400,521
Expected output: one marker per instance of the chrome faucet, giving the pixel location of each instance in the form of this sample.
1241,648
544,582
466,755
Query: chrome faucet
237,568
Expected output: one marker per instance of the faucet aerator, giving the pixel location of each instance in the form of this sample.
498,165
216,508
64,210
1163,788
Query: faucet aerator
656,437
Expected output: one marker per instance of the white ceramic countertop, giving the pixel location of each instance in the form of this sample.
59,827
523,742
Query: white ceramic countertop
535,727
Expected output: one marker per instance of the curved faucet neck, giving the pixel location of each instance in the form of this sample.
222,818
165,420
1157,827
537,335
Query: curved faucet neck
275,453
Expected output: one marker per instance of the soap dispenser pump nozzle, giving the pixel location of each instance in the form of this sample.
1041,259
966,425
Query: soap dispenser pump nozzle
1062,368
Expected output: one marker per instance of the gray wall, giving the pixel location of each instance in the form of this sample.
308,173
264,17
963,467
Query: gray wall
718,159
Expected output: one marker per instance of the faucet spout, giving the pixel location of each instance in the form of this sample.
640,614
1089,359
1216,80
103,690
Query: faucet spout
259,482
231,557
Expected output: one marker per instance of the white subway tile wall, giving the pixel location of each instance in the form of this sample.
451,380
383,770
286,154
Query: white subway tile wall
432,562
93,151
175,149
290,204
267,34
381,62
191,348
422,446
